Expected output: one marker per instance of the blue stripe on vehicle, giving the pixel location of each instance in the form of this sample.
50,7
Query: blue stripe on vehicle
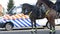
37,24
28,20
25,22
18,23
4,19
21,22
13,23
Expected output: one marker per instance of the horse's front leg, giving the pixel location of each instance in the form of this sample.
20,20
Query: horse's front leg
32,27
35,26
52,29
51,20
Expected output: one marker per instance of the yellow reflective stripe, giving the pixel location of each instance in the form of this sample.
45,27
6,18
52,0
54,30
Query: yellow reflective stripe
47,12
30,13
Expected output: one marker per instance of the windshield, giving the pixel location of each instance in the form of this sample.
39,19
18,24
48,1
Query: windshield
15,10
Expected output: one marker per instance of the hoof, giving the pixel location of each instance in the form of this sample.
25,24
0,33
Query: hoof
32,32
35,31
54,32
50,32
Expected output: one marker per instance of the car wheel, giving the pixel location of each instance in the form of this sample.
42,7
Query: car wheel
8,26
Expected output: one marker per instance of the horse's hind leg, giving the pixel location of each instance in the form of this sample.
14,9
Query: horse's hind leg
53,28
52,25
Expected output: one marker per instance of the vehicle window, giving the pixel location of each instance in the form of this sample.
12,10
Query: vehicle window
15,10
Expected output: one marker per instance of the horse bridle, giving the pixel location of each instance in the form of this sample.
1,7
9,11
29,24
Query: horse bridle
47,12
30,13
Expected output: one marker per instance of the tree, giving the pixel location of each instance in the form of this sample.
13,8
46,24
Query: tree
10,4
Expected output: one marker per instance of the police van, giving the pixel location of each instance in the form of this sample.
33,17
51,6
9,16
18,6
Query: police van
14,19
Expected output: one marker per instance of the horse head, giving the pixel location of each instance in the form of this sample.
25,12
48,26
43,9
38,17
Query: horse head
26,8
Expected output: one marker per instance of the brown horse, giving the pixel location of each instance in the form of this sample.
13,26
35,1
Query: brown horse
35,12
50,14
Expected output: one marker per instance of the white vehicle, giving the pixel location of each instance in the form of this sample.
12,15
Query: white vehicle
16,20
44,22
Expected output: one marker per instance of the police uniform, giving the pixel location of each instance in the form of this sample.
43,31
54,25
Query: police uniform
58,5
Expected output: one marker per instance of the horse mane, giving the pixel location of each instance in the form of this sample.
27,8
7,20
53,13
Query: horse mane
26,4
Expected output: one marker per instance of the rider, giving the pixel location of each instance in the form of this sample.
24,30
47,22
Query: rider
58,5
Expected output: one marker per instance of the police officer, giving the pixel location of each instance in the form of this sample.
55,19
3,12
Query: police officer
58,5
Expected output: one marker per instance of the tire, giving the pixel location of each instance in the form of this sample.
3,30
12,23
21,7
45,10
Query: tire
48,25
8,26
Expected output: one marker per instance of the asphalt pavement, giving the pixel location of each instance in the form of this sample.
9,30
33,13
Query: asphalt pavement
28,31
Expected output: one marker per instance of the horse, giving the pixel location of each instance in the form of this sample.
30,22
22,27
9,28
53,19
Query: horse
33,12
51,13
26,8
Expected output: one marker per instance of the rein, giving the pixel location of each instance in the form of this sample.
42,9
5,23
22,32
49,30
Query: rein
30,13
47,12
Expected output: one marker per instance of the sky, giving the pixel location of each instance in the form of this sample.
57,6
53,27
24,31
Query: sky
4,3
25,1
